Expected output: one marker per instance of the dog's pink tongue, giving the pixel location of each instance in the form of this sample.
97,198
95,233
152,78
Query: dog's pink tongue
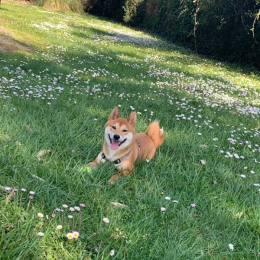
114,145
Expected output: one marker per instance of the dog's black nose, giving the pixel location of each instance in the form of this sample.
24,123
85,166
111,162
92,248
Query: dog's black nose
116,137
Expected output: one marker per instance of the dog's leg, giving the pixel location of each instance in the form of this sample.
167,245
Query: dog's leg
114,178
96,162
124,169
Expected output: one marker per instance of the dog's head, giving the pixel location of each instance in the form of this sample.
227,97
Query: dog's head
119,131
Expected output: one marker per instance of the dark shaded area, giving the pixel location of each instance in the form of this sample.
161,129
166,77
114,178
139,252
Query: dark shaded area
107,8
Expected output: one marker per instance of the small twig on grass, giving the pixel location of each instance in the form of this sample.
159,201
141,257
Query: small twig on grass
37,177
7,189
80,214
74,217
23,190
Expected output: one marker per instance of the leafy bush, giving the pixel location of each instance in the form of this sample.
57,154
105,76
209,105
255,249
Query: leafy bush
130,9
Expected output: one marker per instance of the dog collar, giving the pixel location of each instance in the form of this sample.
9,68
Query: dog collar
117,161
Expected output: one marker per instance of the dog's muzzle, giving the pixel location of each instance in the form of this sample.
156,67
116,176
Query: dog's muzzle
115,143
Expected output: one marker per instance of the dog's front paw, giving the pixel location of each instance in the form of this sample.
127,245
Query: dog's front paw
114,178
93,165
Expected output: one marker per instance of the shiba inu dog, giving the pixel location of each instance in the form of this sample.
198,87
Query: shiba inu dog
124,147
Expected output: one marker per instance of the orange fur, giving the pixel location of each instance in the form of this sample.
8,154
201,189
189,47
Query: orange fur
122,143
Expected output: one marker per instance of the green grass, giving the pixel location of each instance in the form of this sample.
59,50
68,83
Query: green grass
56,92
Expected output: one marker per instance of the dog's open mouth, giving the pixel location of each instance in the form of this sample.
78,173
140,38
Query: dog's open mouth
114,144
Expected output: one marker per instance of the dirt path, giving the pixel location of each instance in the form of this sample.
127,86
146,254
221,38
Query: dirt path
7,39
8,43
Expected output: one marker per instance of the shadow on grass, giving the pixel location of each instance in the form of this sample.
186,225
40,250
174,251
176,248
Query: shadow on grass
188,57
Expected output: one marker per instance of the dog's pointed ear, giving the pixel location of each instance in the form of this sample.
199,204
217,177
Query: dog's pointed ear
132,119
114,114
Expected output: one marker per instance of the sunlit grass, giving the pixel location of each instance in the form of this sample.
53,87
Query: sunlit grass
55,97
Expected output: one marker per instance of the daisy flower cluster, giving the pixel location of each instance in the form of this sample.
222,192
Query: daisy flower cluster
64,210
19,195
70,217
48,86
65,214
242,144
22,195
169,200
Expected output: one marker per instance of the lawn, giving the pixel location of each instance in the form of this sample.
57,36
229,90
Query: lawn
61,74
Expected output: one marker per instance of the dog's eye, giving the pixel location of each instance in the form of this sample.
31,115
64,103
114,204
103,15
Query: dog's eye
125,130
113,127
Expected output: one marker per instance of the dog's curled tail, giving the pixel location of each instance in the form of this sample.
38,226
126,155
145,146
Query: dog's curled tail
155,133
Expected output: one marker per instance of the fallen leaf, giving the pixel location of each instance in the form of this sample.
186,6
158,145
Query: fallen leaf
203,162
10,195
28,128
37,177
233,112
239,214
117,204
18,143
41,153
203,146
